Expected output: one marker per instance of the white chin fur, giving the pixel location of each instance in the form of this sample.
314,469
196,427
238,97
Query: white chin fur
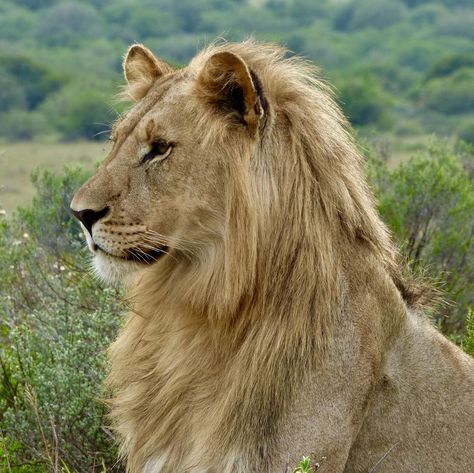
112,270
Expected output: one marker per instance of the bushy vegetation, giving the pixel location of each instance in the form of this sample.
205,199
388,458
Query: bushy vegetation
55,324
428,203
401,65
56,321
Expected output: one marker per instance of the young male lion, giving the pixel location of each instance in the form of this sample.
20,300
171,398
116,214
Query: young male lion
269,318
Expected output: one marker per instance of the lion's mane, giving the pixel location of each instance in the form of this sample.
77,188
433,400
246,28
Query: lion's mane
220,338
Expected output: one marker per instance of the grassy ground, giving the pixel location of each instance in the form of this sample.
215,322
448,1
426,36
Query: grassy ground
18,160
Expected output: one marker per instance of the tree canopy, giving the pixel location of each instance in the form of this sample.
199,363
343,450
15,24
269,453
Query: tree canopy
398,65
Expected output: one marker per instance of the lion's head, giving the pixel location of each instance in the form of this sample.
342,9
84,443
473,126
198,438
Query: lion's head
230,168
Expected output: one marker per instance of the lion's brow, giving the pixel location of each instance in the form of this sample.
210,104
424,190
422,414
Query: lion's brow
133,117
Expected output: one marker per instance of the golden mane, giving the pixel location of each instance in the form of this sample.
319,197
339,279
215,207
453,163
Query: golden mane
308,173
271,320
296,209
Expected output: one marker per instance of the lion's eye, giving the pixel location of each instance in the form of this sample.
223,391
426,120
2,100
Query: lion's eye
159,149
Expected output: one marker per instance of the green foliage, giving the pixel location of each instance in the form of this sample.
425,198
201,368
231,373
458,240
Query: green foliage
369,14
22,125
35,80
12,94
140,23
305,466
55,324
468,343
427,15
80,112
467,134
428,203
11,458
364,102
405,53
459,23
36,4
450,95
449,64
69,23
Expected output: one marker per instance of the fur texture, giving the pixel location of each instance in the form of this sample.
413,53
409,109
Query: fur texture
276,322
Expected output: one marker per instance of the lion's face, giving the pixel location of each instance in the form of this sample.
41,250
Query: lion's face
161,189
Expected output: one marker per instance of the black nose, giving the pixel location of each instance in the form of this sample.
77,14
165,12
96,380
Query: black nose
88,216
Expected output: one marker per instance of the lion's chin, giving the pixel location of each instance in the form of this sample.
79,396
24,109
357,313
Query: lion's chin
114,270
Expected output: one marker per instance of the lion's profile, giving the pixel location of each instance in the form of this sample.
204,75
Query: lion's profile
269,317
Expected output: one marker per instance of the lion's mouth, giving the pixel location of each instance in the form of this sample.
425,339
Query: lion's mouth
138,255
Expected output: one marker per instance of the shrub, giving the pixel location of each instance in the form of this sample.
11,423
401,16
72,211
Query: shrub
22,125
364,102
36,4
449,64
12,94
467,134
428,203
56,322
68,24
35,80
468,342
357,15
427,14
450,95
79,112
458,23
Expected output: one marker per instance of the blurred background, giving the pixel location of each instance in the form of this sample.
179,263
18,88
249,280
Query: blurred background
402,71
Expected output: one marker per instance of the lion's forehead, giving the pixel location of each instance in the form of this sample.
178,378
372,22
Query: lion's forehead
155,107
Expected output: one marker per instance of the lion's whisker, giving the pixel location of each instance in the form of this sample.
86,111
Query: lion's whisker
154,248
188,249
169,238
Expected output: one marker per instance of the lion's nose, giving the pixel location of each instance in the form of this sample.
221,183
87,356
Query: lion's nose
88,216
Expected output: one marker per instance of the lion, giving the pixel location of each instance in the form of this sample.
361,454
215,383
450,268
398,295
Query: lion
270,317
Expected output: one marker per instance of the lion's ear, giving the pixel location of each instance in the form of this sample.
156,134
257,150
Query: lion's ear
226,82
141,68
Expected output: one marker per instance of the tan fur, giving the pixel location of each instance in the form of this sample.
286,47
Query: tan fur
278,324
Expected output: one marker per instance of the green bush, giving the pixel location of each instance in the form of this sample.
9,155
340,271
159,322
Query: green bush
468,342
80,111
428,203
141,22
69,23
55,325
450,95
364,102
35,80
379,14
458,23
449,64
36,4
467,133
79,45
12,94
22,125
427,14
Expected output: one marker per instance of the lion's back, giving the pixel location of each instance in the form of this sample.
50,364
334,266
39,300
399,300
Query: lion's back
421,417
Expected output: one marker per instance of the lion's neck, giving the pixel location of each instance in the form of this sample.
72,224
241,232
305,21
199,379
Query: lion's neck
182,375
174,368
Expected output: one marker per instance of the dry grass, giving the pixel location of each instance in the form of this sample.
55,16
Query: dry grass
18,160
